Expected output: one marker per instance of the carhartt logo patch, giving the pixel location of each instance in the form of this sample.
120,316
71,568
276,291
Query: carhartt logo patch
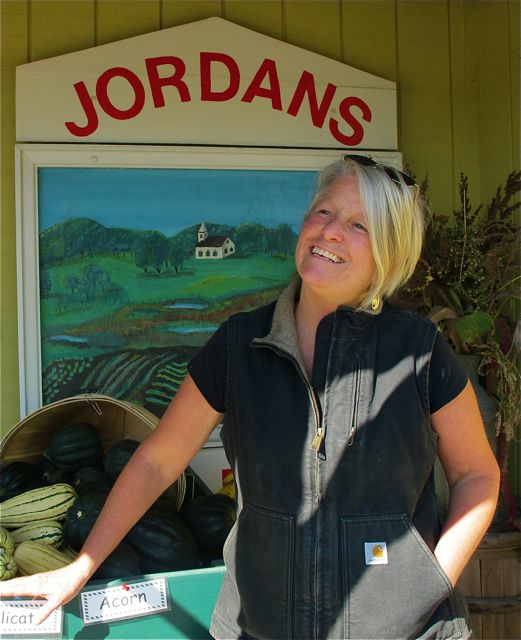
375,552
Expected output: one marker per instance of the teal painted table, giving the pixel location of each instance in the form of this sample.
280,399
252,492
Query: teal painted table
192,597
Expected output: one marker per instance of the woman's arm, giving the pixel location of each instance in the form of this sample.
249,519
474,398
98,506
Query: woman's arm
155,465
473,476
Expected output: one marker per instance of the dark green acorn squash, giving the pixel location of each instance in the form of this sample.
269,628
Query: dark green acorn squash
165,504
121,563
163,543
91,479
53,474
210,518
118,455
75,446
81,517
18,477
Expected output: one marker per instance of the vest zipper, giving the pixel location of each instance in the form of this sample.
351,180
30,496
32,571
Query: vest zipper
315,445
353,422
319,431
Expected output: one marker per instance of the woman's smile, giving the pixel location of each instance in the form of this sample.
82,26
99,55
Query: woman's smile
324,253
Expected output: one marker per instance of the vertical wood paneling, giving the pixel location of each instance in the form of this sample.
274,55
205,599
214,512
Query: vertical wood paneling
465,134
489,24
118,19
264,16
424,103
13,51
314,25
58,26
175,12
369,36
515,76
515,101
514,20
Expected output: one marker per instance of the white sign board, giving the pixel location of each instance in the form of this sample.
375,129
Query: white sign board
207,82
17,620
124,601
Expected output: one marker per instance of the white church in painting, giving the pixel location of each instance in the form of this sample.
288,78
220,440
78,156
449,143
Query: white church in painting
212,247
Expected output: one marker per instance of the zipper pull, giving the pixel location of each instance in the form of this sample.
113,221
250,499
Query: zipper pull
317,440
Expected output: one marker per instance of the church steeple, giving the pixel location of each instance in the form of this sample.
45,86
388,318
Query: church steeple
202,233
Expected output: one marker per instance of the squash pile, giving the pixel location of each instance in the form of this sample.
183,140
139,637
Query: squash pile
48,509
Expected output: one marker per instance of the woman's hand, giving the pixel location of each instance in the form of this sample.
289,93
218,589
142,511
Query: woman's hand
57,587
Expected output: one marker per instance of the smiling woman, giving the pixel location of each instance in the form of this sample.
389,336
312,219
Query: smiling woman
329,387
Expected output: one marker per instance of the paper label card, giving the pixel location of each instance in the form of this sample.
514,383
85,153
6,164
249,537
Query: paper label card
124,601
17,620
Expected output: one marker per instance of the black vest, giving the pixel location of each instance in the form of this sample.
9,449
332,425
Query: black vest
335,534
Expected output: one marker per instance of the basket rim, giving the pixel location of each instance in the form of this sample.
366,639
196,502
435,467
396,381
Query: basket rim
92,398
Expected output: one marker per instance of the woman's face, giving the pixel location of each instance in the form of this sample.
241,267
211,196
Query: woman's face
333,254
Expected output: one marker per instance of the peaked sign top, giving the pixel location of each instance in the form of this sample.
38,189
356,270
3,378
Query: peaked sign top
207,82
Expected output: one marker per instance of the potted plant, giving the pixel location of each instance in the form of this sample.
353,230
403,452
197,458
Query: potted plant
467,281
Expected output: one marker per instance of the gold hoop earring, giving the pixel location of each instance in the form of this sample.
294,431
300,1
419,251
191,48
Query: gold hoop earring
375,303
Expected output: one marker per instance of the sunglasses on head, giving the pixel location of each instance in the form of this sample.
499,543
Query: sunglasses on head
391,172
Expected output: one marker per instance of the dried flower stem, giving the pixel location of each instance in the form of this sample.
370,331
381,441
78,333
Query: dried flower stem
464,234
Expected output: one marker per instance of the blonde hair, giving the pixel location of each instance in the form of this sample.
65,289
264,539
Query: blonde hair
395,221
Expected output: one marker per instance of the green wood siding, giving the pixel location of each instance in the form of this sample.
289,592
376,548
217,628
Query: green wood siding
424,104
177,12
456,63
495,63
116,20
314,25
264,17
56,27
369,37
14,44
464,121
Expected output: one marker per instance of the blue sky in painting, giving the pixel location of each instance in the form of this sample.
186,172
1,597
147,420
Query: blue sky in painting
169,200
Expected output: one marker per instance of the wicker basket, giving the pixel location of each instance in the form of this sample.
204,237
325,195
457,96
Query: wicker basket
114,419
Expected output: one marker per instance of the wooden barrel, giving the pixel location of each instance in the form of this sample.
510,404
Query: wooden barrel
491,584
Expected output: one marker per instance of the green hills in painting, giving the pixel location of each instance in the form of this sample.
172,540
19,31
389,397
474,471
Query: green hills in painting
123,310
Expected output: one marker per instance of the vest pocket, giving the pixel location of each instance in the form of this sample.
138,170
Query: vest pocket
392,581
259,560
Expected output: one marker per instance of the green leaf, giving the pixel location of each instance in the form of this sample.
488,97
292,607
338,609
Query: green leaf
474,325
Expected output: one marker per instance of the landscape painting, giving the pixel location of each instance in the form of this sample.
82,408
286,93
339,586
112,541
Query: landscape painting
139,266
